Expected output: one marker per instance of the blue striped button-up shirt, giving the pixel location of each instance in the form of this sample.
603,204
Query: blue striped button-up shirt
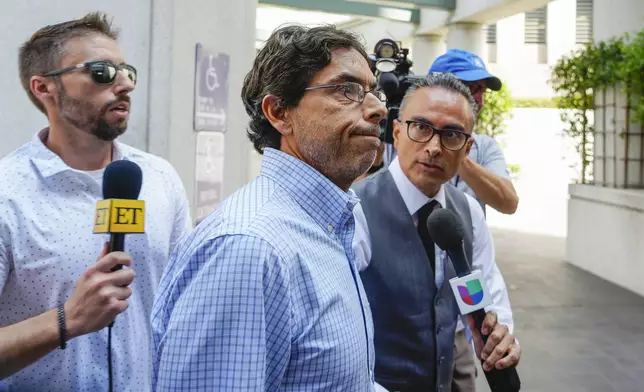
264,295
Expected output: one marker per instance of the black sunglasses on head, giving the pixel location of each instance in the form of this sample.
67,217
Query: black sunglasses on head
102,72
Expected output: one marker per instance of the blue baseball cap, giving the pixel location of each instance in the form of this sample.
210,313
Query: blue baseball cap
466,66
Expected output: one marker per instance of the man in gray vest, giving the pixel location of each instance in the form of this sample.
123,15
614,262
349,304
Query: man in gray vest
404,274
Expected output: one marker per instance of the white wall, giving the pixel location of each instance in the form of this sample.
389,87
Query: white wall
606,224
615,17
606,227
548,163
517,63
424,50
159,38
561,28
486,11
221,26
467,36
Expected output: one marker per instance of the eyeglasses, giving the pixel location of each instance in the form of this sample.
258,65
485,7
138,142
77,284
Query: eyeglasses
102,72
352,91
422,132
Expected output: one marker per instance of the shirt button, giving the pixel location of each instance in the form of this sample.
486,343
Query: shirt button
330,228
441,360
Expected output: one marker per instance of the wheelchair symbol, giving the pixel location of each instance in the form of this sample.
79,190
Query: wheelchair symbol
212,81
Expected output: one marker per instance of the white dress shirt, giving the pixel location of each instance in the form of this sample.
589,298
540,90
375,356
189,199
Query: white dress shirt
483,258
47,213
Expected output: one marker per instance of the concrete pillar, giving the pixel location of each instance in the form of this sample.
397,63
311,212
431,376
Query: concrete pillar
509,41
212,23
561,33
467,36
614,18
425,49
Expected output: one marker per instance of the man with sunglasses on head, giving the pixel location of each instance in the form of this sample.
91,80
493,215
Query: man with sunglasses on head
404,274
484,174
56,295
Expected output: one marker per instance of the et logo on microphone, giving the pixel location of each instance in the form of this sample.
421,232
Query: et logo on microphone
470,292
119,216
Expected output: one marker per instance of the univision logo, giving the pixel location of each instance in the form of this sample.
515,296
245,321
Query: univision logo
473,293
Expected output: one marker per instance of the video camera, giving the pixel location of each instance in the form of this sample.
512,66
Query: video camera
390,65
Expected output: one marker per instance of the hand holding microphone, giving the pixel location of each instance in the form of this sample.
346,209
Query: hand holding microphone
120,211
494,344
100,294
102,291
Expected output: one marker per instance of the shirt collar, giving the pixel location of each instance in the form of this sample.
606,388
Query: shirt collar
49,163
327,204
413,197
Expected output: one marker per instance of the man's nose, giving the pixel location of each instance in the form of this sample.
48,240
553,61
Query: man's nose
123,83
433,146
375,109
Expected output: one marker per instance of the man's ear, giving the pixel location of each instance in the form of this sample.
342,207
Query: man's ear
468,145
276,114
42,88
396,132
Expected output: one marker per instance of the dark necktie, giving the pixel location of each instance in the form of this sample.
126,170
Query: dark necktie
428,243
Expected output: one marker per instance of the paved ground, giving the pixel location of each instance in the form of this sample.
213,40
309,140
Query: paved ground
578,332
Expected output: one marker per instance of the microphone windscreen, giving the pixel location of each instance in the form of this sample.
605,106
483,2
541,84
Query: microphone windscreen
445,228
122,180
388,83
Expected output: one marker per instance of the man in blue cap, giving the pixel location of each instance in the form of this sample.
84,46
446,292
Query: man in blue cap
484,173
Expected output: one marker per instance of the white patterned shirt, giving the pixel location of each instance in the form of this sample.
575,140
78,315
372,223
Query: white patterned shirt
46,242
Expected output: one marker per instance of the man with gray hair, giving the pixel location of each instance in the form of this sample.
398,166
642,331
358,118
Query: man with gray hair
415,314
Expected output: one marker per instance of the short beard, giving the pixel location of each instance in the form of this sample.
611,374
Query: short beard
85,117
325,160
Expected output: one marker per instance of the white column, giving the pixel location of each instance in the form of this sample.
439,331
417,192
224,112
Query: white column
467,36
176,31
561,30
425,49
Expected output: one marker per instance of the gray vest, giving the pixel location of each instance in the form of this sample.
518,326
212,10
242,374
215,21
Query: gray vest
414,321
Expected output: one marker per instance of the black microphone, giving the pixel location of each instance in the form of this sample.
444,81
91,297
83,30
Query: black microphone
470,291
120,212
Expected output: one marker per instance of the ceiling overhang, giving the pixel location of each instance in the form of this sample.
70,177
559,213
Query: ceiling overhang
400,11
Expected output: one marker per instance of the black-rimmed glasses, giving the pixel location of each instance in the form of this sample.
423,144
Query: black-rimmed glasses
421,132
102,72
353,91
